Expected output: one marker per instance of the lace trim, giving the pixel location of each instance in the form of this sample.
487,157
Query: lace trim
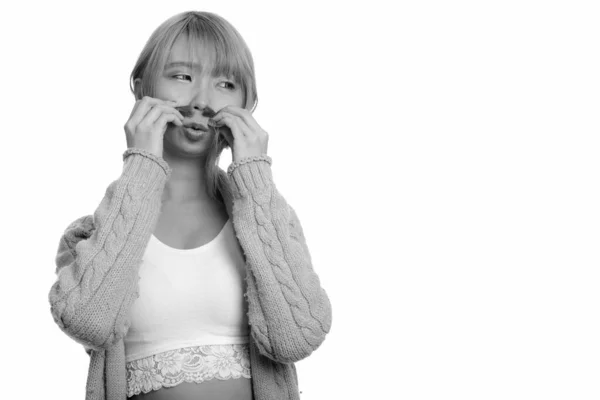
189,364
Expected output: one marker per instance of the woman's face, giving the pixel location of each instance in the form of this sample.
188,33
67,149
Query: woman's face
193,85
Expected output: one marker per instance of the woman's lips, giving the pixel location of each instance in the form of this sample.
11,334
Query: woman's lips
196,126
193,134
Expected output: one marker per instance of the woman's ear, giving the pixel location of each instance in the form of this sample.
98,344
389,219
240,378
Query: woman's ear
137,88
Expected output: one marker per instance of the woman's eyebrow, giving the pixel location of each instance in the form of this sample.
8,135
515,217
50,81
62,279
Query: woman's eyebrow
183,64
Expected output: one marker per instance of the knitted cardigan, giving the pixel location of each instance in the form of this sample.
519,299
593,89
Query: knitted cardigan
99,256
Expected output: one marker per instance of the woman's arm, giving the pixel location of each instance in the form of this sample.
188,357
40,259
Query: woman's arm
99,256
289,312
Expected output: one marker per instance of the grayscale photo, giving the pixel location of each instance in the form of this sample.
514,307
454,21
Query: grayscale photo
316,200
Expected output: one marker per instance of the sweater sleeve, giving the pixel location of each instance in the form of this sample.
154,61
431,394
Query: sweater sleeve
288,311
99,255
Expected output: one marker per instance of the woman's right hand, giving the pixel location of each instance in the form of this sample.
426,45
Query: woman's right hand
148,122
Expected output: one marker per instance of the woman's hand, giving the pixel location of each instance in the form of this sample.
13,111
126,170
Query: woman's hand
148,122
243,134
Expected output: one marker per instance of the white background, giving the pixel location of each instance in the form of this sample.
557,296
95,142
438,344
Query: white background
442,157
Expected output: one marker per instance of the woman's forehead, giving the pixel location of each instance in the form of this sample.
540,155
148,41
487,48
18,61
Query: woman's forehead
195,53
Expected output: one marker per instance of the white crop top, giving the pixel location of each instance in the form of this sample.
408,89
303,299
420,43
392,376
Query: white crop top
189,297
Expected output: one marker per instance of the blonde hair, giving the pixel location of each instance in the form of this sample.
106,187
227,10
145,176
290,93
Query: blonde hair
228,52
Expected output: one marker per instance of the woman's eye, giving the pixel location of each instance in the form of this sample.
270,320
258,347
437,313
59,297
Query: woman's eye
228,85
183,76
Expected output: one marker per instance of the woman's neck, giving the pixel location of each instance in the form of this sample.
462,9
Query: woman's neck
187,182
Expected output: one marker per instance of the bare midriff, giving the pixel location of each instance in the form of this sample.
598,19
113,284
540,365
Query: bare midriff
214,389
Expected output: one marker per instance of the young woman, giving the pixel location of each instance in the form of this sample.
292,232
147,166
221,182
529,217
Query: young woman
189,281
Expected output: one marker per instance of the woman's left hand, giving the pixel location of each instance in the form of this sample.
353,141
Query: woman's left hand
245,137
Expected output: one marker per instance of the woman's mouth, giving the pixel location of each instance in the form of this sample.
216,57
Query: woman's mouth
196,126
194,132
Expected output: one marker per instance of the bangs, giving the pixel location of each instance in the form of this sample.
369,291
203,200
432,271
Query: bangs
210,39
219,49
222,56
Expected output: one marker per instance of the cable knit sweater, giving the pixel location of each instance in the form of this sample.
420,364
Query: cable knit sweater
99,257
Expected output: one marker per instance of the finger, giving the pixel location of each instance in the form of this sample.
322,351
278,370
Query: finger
164,119
236,126
169,106
244,114
144,106
229,119
141,102
155,113
149,119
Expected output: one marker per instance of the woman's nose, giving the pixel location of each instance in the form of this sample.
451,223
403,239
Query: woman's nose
202,96
202,102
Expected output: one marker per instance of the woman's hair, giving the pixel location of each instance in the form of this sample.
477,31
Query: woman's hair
229,54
